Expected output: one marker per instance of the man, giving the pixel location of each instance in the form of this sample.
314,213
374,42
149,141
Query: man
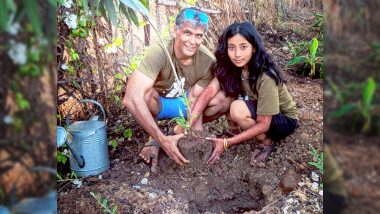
153,94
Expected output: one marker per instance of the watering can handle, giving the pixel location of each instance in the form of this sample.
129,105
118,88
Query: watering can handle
83,101
78,158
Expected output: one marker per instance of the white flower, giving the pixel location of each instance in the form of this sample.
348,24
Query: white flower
68,3
8,119
71,21
111,49
314,176
12,27
64,66
101,41
82,18
77,183
17,53
88,13
314,186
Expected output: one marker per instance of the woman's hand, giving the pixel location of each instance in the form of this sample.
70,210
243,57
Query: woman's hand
218,150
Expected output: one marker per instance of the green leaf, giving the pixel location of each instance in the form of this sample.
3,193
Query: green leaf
127,133
85,4
74,55
297,60
313,49
105,203
32,13
103,10
73,175
53,3
118,76
343,110
114,209
133,16
11,5
61,158
35,55
34,70
4,16
82,33
59,177
368,93
22,102
114,143
136,6
110,7
318,15
82,22
117,98
75,32
118,87
123,9
145,3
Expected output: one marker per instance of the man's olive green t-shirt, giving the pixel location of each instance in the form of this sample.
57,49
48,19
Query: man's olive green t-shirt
156,66
271,98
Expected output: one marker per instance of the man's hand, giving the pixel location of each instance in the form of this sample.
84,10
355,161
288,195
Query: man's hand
219,149
170,145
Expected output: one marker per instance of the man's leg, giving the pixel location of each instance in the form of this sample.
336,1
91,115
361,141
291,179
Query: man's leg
149,153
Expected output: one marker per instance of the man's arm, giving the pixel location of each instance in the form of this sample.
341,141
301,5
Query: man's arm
138,86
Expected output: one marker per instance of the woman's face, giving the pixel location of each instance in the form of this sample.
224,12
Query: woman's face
240,50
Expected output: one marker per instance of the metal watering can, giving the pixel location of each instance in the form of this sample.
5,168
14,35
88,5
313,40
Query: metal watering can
87,143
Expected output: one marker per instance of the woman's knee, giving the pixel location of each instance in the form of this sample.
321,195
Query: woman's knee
237,110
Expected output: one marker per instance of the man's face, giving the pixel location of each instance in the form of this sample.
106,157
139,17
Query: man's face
188,38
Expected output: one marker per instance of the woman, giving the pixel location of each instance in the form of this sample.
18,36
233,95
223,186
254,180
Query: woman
263,106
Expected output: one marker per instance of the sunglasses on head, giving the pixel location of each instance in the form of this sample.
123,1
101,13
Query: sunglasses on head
190,14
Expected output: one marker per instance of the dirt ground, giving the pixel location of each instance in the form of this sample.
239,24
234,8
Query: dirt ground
229,186
361,176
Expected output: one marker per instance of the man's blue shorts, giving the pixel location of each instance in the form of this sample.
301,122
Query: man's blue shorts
171,107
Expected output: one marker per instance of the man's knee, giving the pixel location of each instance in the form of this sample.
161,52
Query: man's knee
152,99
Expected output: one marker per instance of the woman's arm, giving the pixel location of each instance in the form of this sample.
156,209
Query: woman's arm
261,126
204,98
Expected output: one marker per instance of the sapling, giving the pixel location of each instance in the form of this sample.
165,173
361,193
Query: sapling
364,108
181,120
310,58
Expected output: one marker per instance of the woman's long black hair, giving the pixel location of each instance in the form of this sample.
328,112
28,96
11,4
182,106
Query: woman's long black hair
229,75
